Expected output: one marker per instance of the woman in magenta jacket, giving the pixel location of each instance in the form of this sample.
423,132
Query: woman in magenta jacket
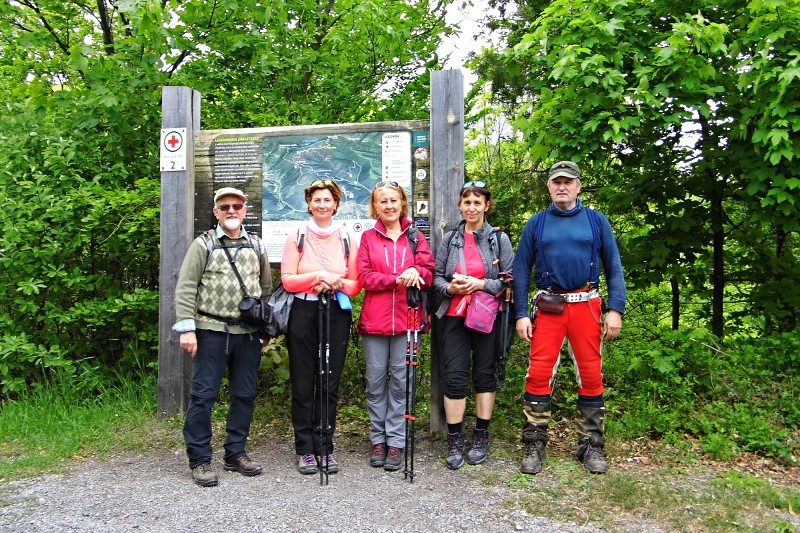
386,267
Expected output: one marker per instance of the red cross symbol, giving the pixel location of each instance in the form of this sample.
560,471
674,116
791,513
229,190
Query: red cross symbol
173,141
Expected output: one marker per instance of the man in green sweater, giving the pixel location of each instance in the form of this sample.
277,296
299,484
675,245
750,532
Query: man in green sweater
207,300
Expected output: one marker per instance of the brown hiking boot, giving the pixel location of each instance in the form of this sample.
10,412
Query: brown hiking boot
204,475
244,465
533,462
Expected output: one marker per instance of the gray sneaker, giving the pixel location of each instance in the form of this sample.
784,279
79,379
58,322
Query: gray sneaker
307,464
204,475
455,451
327,461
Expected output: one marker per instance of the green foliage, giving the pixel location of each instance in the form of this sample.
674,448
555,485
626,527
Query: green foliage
78,157
79,277
684,120
733,396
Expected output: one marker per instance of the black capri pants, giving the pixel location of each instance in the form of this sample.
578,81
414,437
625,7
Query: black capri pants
462,348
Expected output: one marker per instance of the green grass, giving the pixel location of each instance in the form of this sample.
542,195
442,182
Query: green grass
680,491
51,427
669,498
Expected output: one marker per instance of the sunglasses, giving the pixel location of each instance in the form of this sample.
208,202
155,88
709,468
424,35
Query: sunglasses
322,183
226,207
385,183
478,184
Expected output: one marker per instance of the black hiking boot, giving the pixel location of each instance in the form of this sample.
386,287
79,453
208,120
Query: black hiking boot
591,431
535,455
592,457
455,451
480,447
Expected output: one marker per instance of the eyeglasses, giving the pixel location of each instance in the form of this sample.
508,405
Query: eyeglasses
225,207
478,184
385,183
322,183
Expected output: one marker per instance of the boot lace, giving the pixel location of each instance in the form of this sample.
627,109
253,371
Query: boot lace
481,440
454,444
593,453
531,449
379,449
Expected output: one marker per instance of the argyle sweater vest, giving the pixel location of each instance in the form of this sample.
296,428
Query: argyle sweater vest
219,292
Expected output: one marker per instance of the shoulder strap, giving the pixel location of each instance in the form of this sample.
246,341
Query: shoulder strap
494,243
345,242
255,243
539,233
413,239
594,265
208,238
235,270
301,238
450,236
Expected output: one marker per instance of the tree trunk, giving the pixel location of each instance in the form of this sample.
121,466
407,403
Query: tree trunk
676,303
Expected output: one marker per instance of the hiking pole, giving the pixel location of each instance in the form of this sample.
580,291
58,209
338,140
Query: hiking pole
412,344
504,344
324,322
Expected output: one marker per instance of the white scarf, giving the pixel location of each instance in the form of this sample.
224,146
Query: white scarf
322,232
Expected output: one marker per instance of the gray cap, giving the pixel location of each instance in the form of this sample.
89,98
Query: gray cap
568,169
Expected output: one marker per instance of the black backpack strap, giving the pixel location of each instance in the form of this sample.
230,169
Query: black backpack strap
235,270
345,242
413,239
595,264
539,233
227,321
301,238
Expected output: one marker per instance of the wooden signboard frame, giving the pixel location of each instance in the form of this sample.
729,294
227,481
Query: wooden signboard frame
181,109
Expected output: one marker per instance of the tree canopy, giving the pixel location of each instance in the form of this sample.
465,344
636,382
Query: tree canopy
684,118
81,116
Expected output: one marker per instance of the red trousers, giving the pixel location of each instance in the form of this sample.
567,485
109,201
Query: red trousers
581,324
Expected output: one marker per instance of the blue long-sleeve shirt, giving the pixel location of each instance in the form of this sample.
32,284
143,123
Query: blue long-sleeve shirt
567,249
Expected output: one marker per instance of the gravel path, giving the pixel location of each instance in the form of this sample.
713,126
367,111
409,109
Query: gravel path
156,493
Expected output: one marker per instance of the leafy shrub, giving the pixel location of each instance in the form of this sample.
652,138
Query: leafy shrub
77,241
737,395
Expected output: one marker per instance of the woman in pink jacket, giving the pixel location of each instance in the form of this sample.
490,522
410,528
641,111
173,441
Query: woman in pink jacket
387,265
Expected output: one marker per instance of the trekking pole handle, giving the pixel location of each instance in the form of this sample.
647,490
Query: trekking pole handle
412,297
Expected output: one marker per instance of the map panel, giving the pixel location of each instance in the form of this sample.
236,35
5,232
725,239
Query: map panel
291,163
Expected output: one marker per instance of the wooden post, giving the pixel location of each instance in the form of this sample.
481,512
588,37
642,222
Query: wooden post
447,177
180,107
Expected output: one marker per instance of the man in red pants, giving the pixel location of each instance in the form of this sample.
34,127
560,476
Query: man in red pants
564,245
